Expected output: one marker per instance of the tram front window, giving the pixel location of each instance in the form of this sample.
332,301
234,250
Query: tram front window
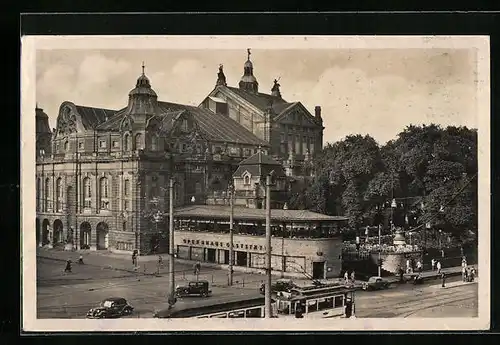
325,303
339,301
255,312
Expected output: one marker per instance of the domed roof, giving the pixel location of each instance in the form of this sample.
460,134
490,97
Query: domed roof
143,87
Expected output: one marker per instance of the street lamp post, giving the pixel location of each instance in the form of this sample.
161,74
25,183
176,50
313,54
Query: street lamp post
231,234
171,266
379,250
268,309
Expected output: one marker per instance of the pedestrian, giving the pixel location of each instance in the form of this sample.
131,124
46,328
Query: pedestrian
419,266
408,267
464,274
438,266
443,279
68,266
472,274
401,274
433,264
353,279
442,253
80,259
346,276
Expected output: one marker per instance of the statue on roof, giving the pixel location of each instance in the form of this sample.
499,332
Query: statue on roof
249,53
221,78
275,91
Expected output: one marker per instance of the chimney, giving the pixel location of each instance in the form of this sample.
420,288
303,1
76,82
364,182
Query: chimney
317,112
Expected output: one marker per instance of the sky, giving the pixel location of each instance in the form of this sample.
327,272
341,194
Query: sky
361,91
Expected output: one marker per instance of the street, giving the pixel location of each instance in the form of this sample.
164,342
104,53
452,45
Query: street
71,295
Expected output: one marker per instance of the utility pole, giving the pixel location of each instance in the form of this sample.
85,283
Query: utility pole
268,309
379,250
171,266
231,234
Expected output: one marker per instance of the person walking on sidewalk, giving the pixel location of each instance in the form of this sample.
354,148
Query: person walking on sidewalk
419,266
353,278
464,273
438,266
80,259
472,274
346,277
433,264
443,279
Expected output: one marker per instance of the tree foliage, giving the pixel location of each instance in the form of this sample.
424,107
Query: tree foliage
425,166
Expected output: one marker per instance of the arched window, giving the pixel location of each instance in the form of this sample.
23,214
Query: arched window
87,193
66,145
48,198
124,226
247,179
126,139
59,195
153,144
138,141
103,193
38,194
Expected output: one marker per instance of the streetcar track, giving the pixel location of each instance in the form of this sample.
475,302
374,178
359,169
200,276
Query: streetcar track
434,306
397,310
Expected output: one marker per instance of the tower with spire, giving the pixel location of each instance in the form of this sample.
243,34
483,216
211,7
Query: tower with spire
248,82
142,100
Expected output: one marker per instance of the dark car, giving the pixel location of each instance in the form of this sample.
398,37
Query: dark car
376,283
194,288
111,308
281,285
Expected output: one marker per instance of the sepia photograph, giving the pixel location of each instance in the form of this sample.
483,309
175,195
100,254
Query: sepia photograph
285,183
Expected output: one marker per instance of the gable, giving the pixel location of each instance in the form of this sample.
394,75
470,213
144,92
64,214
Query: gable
69,120
297,115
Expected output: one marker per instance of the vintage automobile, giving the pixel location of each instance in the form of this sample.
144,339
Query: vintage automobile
194,288
281,285
376,283
112,307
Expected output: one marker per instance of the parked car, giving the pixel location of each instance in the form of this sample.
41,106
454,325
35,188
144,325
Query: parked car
112,307
281,285
194,288
376,283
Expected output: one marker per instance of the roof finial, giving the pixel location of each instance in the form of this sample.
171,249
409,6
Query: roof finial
143,68
249,53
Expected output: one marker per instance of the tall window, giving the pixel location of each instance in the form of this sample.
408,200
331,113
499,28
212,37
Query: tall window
59,195
48,198
297,144
125,142
87,193
66,146
138,141
153,145
197,188
38,194
126,194
247,180
103,193
311,146
305,145
124,226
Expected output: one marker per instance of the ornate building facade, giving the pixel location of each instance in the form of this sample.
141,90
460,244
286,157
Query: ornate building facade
102,175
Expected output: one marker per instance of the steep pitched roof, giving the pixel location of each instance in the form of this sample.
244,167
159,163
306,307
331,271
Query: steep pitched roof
92,117
261,100
216,127
260,164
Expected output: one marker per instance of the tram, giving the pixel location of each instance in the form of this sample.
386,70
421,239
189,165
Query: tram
317,302
230,307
